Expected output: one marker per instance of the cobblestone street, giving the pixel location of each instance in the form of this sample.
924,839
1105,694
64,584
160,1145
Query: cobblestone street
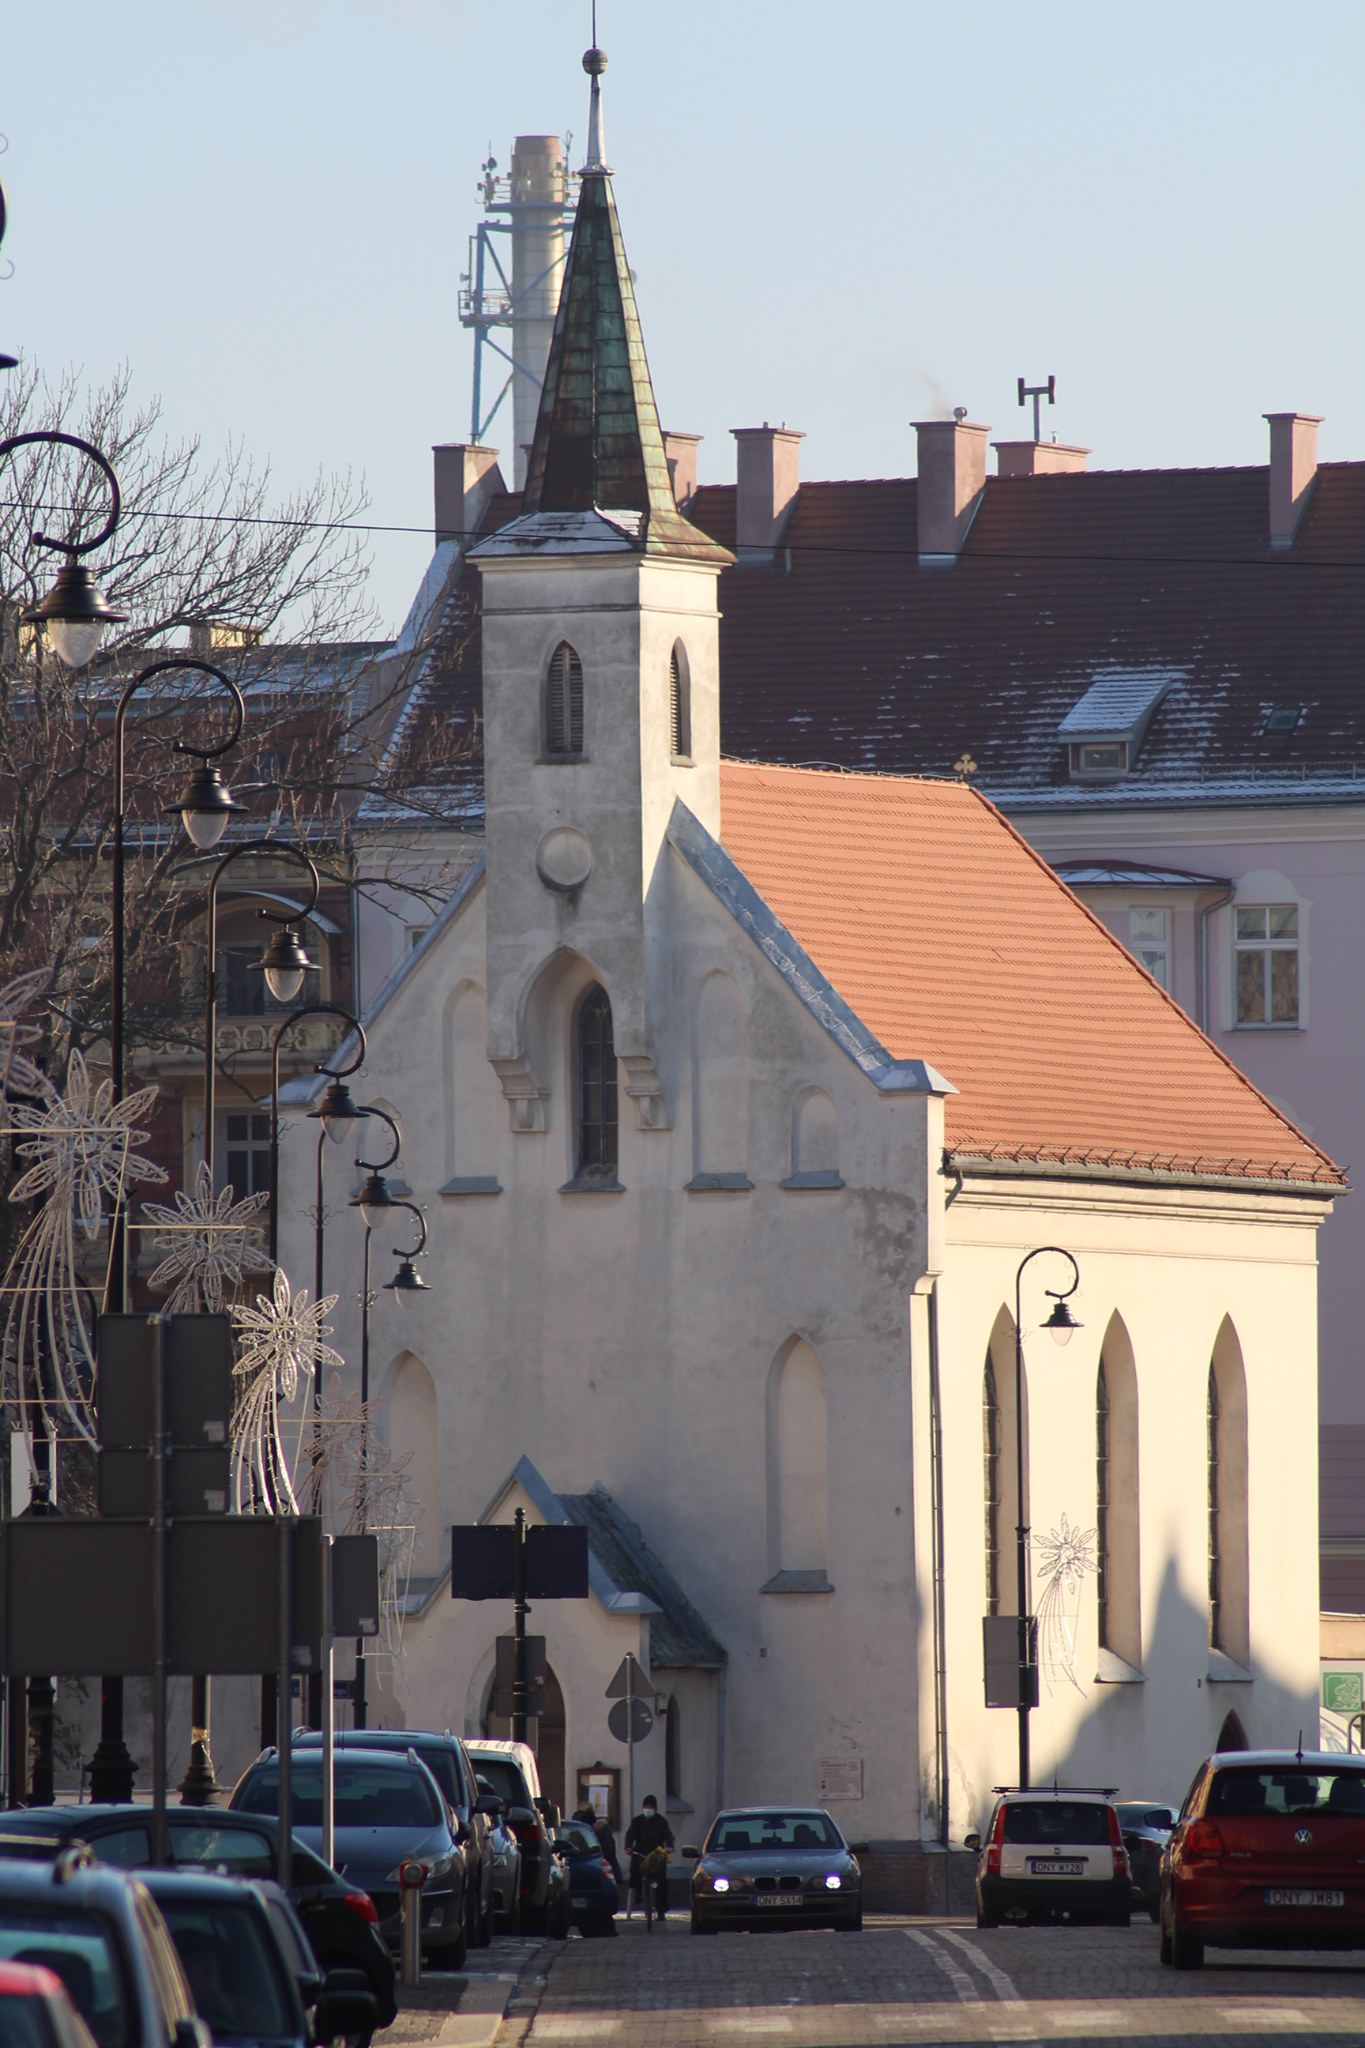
919,1983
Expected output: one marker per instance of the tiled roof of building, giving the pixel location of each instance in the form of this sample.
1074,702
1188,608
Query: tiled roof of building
678,1637
845,651
956,944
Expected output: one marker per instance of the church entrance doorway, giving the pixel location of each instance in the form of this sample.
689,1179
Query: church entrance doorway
548,1740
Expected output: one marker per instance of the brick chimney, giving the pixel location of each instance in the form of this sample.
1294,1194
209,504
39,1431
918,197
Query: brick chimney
1293,469
1037,458
952,478
681,450
465,479
769,477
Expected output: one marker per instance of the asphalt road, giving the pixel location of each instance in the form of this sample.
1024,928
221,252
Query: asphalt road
921,1982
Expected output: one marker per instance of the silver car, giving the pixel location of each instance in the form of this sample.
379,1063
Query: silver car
505,1852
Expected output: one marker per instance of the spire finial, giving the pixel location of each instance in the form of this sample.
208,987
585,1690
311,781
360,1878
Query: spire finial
595,63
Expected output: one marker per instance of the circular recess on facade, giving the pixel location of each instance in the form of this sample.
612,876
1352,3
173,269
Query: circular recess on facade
564,858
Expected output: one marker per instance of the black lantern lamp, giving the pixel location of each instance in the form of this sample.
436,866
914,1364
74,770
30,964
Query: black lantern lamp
1061,1325
376,1197
75,611
407,1281
284,963
206,806
337,1111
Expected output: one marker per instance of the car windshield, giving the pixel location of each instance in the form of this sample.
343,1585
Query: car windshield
739,1831
24,2023
234,1969
1326,1794
1057,1820
78,1945
367,1795
578,1841
506,1780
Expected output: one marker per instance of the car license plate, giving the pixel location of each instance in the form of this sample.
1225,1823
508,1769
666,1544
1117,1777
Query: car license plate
578,1902
1057,1866
1282,1896
777,1898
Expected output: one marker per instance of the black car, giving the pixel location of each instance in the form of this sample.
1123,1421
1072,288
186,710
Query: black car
246,1982
1146,1829
388,1810
446,1757
339,1917
102,1934
765,1866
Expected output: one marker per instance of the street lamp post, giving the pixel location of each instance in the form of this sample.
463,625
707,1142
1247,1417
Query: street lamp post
374,1201
284,964
205,807
335,1122
407,1281
1060,1324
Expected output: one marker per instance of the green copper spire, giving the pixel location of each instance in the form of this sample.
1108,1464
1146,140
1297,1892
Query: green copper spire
597,443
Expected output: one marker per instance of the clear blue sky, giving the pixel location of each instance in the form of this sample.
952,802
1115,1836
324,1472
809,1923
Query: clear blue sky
844,217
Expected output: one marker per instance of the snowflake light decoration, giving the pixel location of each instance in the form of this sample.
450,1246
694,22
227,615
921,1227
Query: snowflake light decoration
1065,1556
279,1344
208,1245
80,1149
18,1074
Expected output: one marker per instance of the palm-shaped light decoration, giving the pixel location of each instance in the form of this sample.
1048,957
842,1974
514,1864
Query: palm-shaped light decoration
279,1344
208,1245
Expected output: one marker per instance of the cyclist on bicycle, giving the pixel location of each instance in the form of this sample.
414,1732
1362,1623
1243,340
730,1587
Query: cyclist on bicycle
648,1838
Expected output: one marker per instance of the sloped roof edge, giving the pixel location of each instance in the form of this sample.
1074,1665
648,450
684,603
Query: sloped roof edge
710,862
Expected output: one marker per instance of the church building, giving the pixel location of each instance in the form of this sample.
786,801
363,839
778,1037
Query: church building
756,1115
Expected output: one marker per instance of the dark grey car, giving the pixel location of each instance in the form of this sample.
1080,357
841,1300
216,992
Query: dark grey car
766,1866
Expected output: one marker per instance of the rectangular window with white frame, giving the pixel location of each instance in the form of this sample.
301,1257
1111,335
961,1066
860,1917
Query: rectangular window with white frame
1266,949
1149,940
242,1151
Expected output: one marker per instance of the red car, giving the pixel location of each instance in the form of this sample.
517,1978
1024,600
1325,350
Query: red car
36,2009
1268,1852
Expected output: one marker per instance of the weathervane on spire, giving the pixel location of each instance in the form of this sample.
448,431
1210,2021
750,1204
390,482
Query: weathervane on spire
595,63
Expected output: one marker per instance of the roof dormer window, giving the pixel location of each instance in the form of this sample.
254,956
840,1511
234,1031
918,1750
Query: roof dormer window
1105,728
1281,720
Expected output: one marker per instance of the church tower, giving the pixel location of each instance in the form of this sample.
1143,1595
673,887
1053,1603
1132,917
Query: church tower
600,678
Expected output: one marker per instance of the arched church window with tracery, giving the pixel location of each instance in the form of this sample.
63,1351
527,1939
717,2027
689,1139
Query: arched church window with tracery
990,1449
679,703
564,703
596,1075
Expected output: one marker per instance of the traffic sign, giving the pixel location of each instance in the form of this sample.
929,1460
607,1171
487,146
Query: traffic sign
630,1720
629,1681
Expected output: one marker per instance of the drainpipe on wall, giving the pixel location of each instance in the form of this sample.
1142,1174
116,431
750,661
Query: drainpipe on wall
1201,1015
939,1618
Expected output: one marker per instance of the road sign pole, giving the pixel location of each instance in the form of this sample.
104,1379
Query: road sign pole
159,1578
519,1686
329,1712
285,1528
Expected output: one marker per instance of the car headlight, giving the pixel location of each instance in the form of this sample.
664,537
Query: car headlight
834,1883
720,1884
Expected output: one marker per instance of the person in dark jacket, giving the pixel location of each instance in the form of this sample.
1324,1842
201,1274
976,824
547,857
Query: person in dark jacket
606,1840
648,1833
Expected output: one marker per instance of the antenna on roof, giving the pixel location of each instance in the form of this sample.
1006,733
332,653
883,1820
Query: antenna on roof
1038,392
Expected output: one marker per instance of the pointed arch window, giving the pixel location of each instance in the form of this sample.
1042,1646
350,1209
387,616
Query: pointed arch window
990,1445
1103,1462
564,703
679,703
595,1064
1215,1450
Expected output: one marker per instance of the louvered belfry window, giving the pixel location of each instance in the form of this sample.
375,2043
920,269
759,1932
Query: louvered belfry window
596,1050
680,705
564,703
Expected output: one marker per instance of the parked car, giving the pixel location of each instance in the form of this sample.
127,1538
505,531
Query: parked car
253,1976
446,1757
510,1768
36,2010
593,1893
387,1809
1054,1855
1146,1826
339,1918
504,1853
1268,1852
764,1866
102,1934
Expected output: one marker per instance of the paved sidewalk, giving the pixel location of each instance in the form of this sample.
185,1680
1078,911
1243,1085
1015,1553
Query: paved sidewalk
465,2008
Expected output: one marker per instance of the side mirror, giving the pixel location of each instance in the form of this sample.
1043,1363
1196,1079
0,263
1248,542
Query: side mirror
490,1803
522,1817
690,1851
972,1841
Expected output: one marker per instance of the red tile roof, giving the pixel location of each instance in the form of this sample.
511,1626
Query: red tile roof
956,944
